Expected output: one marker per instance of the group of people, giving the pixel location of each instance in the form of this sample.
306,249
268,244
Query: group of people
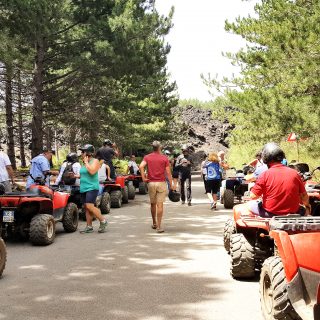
280,187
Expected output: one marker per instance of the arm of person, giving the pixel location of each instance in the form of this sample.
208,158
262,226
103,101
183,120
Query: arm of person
116,150
169,176
60,173
10,173
305,201
108,172
141,168
92,167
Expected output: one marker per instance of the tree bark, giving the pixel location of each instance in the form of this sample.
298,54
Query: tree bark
72,141
20,123
37,110
9,116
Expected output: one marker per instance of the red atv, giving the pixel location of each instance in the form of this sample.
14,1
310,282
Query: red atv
3,256
34,213
246,238
137,183
290,279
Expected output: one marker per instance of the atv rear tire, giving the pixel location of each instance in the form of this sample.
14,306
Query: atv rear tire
242,257
131,191
70,218
125,194
3,256
275,302
42,229
143,187
116,199
228,199
105,203
229,229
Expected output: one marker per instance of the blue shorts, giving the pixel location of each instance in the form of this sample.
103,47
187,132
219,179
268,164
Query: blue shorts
89,196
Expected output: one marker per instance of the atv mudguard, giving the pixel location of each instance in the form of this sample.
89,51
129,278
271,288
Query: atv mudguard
121,180
301,261
45,204
245,219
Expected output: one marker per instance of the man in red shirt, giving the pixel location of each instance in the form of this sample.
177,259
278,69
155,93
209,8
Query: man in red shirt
158,169
281,188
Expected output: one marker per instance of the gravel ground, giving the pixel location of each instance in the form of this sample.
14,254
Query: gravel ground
131,272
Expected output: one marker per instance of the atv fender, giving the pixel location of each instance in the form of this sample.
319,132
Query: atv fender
45,204
60,200
121,180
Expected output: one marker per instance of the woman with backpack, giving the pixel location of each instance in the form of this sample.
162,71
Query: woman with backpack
69,167
212,178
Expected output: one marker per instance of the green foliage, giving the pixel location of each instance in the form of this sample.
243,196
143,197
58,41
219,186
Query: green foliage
278,90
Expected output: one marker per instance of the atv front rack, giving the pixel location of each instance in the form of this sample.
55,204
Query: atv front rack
295,223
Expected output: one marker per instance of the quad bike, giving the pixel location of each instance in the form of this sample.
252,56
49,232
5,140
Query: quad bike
246,239
117,190
290,278
3,256
137,183
234,188
34,213
312,187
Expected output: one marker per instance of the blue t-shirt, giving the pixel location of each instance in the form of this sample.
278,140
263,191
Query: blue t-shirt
39,165
213,170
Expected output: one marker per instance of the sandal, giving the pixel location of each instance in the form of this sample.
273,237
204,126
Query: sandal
160,230
154,226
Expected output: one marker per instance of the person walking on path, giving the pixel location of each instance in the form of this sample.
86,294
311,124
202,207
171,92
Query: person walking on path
107,152
6,171
204,171
89,188
158,168
184,164
212,178
223,164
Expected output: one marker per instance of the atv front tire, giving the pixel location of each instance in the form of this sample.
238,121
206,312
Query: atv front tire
242,257
3,256
131,191
229,229
143,187
228,199
70,218
275,303
125,194
105,203
116,199
42,230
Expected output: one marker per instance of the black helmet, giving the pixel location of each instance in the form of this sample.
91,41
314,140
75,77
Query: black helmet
72,157
107,142
272,153
88,148
174,196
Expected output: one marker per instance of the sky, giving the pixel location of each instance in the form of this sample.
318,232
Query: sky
198,39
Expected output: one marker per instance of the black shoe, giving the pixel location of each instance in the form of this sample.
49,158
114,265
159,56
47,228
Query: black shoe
189,204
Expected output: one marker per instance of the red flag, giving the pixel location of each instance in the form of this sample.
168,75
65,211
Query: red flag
292,137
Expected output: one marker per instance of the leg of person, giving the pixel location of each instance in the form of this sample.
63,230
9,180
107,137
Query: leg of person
153,203
182,190
189,196
209,189
91,197
154,215
160,198
88,228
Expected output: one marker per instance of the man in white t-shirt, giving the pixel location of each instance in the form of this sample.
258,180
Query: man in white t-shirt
132,165
6,171
72,159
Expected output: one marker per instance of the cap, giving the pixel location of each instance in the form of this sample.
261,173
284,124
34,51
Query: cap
167,152
45,150
221,152
156,144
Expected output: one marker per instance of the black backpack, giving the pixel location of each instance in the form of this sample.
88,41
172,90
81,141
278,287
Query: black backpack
66,179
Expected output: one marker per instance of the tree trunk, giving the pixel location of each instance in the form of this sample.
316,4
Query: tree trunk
72,141
37,110
20,123
9,116
49,138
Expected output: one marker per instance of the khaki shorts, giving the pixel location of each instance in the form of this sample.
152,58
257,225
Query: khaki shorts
157,191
